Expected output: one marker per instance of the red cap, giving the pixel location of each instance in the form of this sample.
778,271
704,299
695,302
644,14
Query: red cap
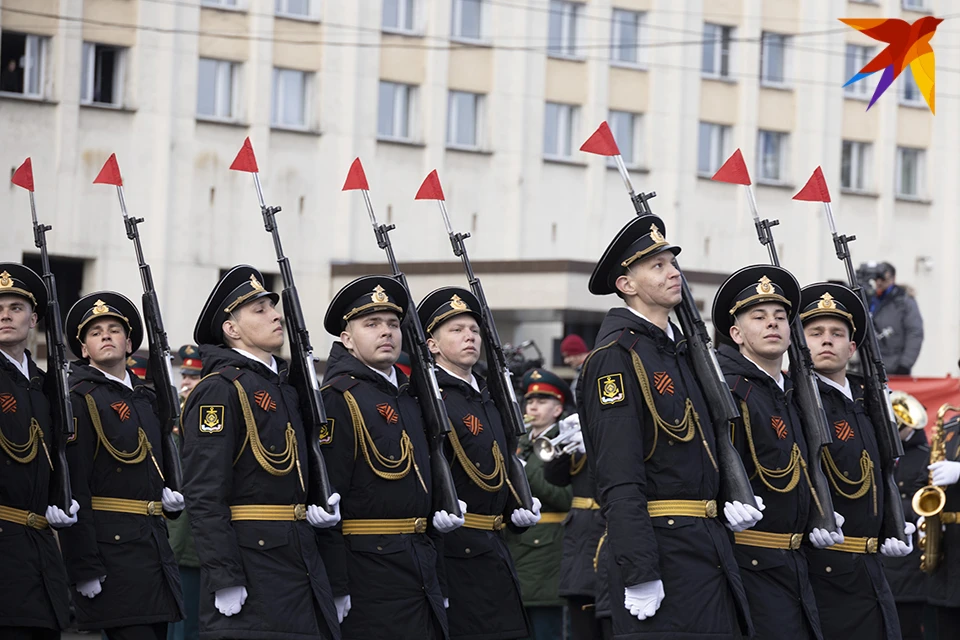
573,345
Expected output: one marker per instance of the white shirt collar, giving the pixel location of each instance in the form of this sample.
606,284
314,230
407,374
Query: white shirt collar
472,381
845,389
272,365
778,379
126,378
22,367
391,377
669,330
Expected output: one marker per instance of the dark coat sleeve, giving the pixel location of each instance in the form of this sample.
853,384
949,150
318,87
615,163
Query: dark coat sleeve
557,471
913,333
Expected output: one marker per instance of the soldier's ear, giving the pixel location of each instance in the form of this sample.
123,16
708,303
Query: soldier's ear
432,345
229,328
735,333
34,319
626,286
83,351
346,339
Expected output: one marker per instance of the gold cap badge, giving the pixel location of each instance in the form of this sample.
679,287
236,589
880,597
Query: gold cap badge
457,303
100,307
535,375
6,281
379,295
256,283
655,234
765,286
827,301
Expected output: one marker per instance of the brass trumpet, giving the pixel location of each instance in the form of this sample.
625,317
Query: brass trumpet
908,410
930,500
549,448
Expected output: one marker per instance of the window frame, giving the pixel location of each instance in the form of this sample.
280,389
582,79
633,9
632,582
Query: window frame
566,135
861,162
88,60
908,80
312,14
786,57
277,107
41,44
726,39
239,5
416,26
234,101
637,157
920,186
456,19
479,111
570,15
921,7
410,103
641,59
783,160
862,89
720,135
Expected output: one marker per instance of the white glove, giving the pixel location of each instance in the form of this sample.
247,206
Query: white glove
526,517
643,600
921,533
741,517
944,473
577,439
821,538
570,423
90,588
343,605
172,500
894,548
229,601
58,519
319,518
446,522
446,603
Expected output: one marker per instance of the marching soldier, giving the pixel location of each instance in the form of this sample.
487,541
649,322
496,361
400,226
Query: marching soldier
853,596
538,551
191,369
245,474
376,450
34,602
481,581
137,365
670,564
117,554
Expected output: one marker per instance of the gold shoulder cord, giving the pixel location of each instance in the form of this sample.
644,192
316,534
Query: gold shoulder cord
26,452
864,484
482,480
269,462
576,466
362,437
596,555
137,456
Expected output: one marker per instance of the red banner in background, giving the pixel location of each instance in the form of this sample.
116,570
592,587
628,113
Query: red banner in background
930,392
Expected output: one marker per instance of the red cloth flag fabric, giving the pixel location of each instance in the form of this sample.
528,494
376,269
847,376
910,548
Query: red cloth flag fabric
601,142
356,178
23,177
110,173
245,160
816,188
430,189
734,170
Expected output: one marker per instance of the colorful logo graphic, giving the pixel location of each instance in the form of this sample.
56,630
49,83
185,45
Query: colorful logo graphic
907,44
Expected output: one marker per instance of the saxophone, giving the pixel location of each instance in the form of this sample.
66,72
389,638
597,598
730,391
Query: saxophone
930,500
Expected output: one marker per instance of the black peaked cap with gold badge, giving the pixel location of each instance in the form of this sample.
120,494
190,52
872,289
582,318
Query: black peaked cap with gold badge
445,303
363,296
751,286
239,286
834,300
16,279
640,238
102,304
190,364
543,382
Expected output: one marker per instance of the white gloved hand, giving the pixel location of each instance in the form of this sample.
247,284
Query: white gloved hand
343,606
526,517
446,603
643,600
576,439
319,518
894,548
58,519
90,588
570,423
172,500
446,522
741,517
944,473
229,601
921,531
821,538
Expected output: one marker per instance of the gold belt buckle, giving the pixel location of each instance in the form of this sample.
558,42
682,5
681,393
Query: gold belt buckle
420,525
711,508
498,523
871,545
795,541
32,520
299,512
152,508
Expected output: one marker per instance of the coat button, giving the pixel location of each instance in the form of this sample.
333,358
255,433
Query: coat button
391,457
273,447
116,537
900,483
260,542
829,569
670,443
903,495
846,474
670,521
467,550
536,541
754,562
379,548
119,469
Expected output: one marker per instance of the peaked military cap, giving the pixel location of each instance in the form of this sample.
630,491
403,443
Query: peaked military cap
751,286
238,287
138,365
190,364
363,296
23,281
640,238
543,382
835,300
102,304
445,303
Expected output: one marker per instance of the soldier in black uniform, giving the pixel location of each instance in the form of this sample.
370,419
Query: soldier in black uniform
481,581
378,457
755,307
853,596
671,567
246,476
34,601
117,554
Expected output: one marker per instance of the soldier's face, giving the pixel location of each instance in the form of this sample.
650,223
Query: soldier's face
257,325
544,410
16,319
374,339
762,330
830,345
654,280
456,341
187,382
106,342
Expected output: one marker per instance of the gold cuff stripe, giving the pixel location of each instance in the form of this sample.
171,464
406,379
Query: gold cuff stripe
483,523
23,518
584,503
855,545
767,540
384,527
122,505
689,508
269,512
759,297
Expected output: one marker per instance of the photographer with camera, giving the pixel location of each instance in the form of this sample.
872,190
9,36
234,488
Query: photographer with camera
896,317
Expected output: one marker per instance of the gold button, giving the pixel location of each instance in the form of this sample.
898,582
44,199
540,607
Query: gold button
754,562
903,495
536,541
116,537
379,548
900,483
260,542
119,469
1,529
670,442
478,464
273,447
676,421
670,521
829,569
391,457
467,550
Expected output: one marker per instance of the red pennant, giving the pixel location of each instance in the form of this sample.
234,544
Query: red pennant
601,142
23,177
356,178
245,160
430,189
816,188
734,170
110,173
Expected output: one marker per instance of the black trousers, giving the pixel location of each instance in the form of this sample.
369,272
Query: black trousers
948,621
583,624
156,631
911,619
606,628
29,633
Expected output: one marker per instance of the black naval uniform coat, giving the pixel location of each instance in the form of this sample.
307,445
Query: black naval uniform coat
907,582
392,580
853,596
778,585
33,586
943,585
142,583
634,462
279,563
481,581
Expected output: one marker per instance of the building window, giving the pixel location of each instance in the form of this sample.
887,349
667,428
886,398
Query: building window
855,166
716,50
560,124
772,152
909,91
290,98
295,8
857,57
467,20
464,115
395,109
773,59
910,172
24,59
627,131
563,28
712,150
915,5
626,36
230,4
217,89
101,80
399,16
